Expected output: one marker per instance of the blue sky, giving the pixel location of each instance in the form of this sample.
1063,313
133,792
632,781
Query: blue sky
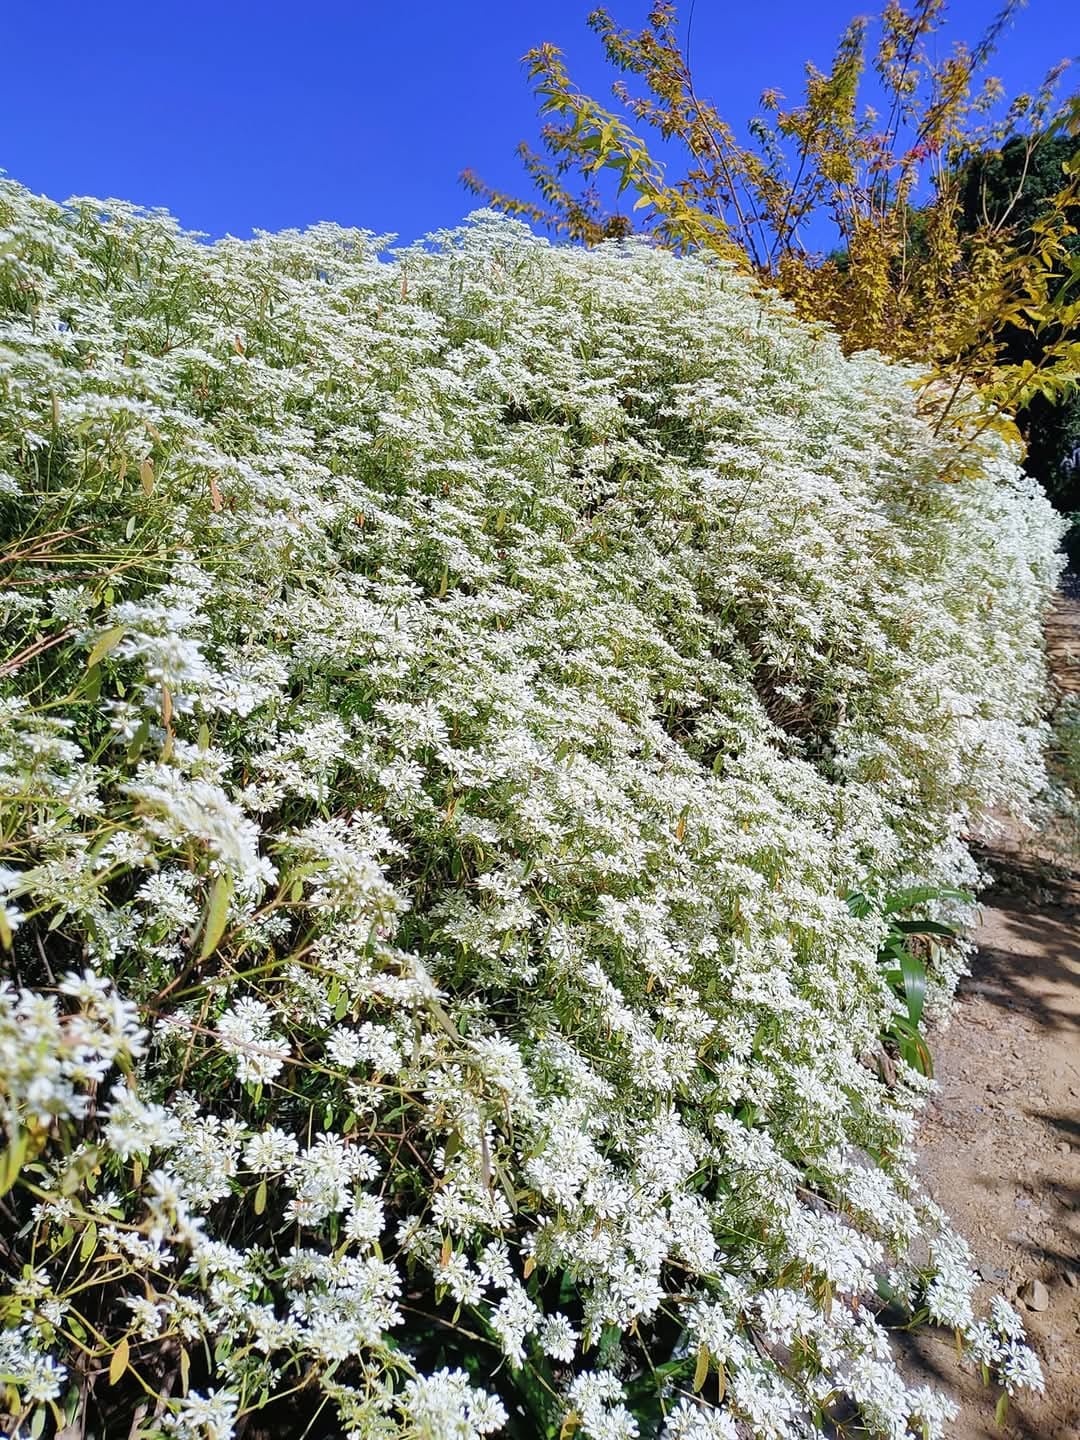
237,116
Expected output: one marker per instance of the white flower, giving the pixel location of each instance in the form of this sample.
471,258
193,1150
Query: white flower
270,1150
558,1338
689,1421
1019,1369
135,1127
244,1031
1005,1320
204,1417
445,1406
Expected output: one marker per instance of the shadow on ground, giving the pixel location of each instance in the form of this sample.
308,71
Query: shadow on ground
1000,1143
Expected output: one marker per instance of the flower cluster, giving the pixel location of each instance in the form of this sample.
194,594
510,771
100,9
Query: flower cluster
51,1055
449,695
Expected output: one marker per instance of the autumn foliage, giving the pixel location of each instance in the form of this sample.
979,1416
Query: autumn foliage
917,272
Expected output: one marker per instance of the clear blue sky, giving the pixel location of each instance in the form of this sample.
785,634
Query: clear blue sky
235,115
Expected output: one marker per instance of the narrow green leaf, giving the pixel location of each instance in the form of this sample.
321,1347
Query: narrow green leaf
859,905
508,1189
920,894
138,741
926,927
89,1241
103,644
217,914
11,1161
914,973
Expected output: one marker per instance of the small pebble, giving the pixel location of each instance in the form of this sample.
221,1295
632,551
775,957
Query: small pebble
993,1274
1035,1295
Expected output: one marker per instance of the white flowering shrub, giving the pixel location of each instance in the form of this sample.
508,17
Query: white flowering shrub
447,699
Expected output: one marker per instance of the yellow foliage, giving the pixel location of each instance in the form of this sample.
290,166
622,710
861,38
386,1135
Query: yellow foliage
908,278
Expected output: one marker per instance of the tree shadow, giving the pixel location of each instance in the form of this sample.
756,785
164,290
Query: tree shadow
1037,907
1067,1125
930,1352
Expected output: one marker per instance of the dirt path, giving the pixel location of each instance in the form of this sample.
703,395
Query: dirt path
1000,1145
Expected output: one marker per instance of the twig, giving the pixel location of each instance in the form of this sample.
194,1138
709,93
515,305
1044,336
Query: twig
32,651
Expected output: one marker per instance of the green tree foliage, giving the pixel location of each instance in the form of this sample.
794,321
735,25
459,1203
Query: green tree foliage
1018,183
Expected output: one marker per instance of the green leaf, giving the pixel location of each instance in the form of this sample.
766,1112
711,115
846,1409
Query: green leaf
11,1161
911,1045
920,894
926,927
89,1241
103,644
142,734
508,1189
217,914
859,904
914,973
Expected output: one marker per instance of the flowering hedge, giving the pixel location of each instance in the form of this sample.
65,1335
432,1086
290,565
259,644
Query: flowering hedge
448,697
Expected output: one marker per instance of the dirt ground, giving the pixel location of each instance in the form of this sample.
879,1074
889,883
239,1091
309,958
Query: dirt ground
1000,1144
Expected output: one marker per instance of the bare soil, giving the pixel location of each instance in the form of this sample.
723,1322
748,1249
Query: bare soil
1000,1144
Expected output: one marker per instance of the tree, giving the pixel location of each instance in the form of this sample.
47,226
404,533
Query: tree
1025,182
917,275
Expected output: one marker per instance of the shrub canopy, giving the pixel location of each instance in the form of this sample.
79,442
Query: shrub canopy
449,696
